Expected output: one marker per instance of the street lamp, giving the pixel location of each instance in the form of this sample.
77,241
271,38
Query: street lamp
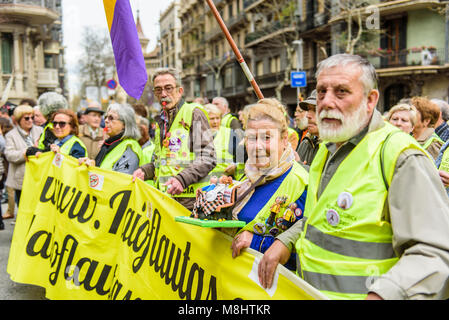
299,64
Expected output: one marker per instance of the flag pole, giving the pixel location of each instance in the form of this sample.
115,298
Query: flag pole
236,50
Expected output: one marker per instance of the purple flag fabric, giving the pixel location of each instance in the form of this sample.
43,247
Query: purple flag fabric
128,54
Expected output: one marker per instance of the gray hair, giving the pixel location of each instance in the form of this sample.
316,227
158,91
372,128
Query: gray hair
49,102
171,71
223,100
126,114
212,108
444,108
368,76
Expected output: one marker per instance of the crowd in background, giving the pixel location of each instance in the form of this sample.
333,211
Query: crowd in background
188,148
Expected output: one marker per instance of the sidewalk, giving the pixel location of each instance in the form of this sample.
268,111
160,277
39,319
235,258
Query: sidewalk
10,290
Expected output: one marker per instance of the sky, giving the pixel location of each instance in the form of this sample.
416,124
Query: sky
80,13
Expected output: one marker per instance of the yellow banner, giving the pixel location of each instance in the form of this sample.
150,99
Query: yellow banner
88,233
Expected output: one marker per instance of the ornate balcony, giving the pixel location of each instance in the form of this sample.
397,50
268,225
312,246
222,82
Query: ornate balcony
47,78
34,11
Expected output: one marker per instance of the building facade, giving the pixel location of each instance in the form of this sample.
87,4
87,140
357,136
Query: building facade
170,41
406,40
31,48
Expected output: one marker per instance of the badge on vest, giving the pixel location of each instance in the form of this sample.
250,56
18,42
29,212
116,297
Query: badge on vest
333,218
174,144
259,228
345,200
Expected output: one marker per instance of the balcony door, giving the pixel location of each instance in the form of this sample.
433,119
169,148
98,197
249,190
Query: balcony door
394,41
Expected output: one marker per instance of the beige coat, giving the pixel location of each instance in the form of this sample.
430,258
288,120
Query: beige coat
93,145
14,152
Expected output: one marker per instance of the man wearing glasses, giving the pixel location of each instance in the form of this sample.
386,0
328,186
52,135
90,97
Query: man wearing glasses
184,149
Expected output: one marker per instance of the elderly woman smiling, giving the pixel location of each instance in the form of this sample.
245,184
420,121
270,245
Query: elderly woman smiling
65,129
23,135
121,152
272,197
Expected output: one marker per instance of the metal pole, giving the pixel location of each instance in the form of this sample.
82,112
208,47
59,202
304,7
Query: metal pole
236,50
299,64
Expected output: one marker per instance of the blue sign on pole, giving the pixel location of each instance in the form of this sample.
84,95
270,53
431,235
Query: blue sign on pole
298,79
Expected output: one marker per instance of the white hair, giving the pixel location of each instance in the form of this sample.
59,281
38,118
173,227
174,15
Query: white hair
126,114
368,76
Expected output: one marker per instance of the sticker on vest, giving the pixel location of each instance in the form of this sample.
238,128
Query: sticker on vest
345,200
57,160
332,217
259,228
96,181
274,231
174,144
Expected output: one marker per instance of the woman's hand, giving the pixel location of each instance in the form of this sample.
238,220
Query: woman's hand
55,148
278,253
88,162
241,241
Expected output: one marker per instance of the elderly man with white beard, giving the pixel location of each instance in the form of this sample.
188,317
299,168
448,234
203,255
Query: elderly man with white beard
376,219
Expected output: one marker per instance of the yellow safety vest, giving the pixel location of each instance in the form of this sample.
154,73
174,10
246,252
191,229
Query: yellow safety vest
40,144
227,119
147,154
67,146
444,165
292,187
173,154
224,157
431,139
114,155
345,244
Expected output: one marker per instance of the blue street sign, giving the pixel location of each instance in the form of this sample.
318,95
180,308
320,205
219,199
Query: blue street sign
298,79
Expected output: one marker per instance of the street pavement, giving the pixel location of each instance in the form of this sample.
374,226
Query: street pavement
10,290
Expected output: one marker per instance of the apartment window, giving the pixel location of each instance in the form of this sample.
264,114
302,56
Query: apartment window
275,64
217,50
210,82
230,7
228,78
259,68
7,52
48,61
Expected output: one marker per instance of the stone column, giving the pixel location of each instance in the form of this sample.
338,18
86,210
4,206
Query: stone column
18,76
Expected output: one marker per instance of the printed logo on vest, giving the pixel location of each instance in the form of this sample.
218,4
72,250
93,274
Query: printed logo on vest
96,181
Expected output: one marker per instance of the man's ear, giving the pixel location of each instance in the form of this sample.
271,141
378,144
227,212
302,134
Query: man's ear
372,99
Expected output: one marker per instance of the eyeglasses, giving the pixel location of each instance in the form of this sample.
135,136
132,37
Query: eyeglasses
168,89
111,118
28,118
61,124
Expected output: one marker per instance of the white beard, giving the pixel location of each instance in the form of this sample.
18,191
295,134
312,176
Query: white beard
351,124
302,124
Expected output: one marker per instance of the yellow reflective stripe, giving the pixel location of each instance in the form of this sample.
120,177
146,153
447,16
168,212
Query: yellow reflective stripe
339,283
348,247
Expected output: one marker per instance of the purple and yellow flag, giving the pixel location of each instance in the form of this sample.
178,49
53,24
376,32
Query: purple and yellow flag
128,54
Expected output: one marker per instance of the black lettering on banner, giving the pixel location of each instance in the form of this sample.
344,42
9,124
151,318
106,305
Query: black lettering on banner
120,210
58,195
143,236
43,251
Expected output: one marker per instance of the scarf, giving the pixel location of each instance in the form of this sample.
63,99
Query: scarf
107,146
261,176
26,137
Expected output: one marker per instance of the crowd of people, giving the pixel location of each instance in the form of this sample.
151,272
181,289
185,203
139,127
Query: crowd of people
354,201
